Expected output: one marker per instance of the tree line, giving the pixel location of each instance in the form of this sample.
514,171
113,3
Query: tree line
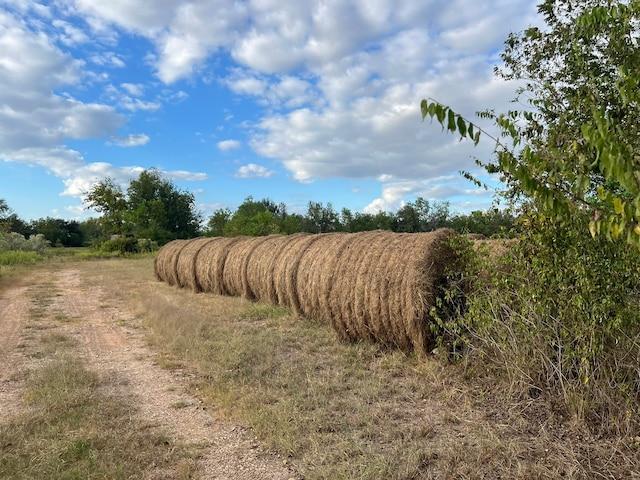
154,209
265,217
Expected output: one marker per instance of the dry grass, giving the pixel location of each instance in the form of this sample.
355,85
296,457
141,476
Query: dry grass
71,430
72,427
354,410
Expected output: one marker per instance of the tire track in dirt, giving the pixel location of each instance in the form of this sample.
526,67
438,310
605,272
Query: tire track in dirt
114,347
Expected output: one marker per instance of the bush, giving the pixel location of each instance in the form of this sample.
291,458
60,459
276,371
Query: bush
15,242
145,245
126,245
120,245
560,316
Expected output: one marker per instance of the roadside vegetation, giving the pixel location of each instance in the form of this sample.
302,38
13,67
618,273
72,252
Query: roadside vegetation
559,317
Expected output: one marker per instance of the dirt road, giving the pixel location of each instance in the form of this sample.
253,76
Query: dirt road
112,342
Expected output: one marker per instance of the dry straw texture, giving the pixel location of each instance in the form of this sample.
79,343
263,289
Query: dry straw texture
375,286
187,262
166,261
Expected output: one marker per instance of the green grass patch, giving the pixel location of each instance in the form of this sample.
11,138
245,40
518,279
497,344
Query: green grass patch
13,258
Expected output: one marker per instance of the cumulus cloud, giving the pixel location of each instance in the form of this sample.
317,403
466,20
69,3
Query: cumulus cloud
185,175
252,171
337,84
131,140
225,145
108,59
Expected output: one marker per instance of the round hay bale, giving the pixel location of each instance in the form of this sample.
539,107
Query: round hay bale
385,285
363,269
260,269
234,275
340,294
475,236
211,260
166,261
336,245
314,272
285,271
430,254
372,285
188,261
253,282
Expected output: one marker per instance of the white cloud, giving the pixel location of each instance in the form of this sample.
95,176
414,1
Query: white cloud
225,145
131,140
71,35
135,89
184,175
252,170
449,188
124,100
108,59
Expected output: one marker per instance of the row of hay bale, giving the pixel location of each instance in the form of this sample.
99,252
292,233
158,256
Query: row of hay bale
377,286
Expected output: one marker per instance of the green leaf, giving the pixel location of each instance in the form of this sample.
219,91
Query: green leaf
462,127
441,114
618,206
452,121
424,107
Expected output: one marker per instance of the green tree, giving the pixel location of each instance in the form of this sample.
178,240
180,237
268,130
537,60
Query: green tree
486,222
10,222
321,219
421,216
577,151
363,222
218,222
570,326
91,231
107,197
159,211
253,218
151,208
59,232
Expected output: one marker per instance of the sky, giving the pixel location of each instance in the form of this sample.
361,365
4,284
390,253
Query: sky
291,100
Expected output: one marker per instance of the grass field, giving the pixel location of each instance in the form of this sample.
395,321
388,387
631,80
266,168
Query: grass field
332,409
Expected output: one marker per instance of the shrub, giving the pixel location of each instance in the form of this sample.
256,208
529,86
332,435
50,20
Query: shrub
15,242
559,316
120,245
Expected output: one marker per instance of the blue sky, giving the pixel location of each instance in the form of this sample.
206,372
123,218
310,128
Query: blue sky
297,101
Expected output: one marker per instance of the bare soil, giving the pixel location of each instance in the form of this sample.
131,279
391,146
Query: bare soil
111,340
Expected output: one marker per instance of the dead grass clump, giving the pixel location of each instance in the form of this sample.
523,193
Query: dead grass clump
211,261
187,262
166,260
